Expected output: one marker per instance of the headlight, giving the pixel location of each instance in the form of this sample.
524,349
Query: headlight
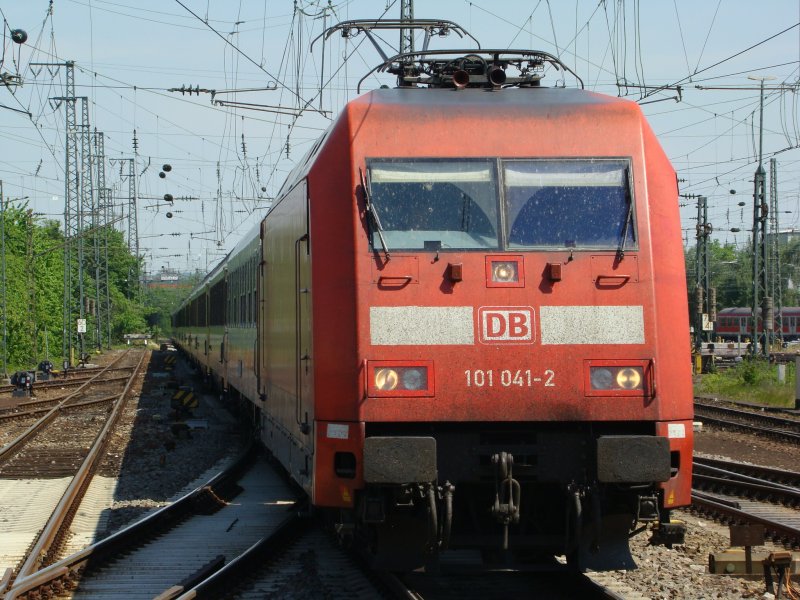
504,271
414,379
389,379
629,379
602,379
386,379
616,378
401,378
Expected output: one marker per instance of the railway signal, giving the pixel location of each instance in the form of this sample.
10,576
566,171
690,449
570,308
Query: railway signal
23,383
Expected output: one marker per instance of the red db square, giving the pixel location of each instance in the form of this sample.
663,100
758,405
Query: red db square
507,325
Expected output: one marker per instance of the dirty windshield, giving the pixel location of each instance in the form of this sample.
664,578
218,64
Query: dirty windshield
449,204
435,204
568,204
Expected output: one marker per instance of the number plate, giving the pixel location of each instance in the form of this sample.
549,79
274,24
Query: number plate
509,378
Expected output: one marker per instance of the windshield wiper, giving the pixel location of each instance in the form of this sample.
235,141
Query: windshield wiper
373,213
628,217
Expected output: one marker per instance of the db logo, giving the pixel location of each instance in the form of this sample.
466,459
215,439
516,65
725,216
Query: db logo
507,325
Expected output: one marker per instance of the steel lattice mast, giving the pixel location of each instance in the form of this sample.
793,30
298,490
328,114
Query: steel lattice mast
133,227
702,281
406,35
762,302
77,197
132,219
71,215
108,215
100,241
86,205
30,257
774,247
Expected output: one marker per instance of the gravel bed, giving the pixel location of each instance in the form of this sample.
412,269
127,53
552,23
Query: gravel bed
746,447
682,572
151,461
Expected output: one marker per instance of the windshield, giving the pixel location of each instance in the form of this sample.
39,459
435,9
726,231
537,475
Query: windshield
568,204
546,203
436,204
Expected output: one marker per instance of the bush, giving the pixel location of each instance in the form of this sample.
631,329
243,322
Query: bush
752,380
751,372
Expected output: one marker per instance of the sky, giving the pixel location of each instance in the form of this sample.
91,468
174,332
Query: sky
133,57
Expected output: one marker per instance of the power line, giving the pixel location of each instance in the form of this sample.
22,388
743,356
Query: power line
732,56
236,48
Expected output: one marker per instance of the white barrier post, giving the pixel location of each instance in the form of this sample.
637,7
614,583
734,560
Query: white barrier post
797,382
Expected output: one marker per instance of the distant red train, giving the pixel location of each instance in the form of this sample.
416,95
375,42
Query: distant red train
462,323
737,323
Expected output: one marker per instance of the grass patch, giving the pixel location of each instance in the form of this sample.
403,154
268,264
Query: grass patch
752,380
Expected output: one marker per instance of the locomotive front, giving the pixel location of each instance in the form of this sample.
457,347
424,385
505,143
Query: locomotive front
521,359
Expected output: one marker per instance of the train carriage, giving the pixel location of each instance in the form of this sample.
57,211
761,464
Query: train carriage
737,323
191,323
471,325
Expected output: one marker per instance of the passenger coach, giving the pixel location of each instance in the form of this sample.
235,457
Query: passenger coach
737,323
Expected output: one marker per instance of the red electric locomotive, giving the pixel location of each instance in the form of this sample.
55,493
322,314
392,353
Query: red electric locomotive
469,325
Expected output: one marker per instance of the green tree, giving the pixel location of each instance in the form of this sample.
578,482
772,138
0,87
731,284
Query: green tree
34,255
730,273
34,279
163,301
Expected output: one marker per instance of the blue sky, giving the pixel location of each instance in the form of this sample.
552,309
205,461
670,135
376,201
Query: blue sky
226,162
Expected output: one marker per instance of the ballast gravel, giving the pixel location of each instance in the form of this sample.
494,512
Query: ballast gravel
152,454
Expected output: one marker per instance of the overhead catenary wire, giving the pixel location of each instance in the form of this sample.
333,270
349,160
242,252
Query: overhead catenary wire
239,51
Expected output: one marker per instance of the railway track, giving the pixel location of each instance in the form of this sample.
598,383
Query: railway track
304,561
177,545
786,429
51,464
742,493
58,381
91,392
242,535
780,527
239,535
298,561
558,584
763,474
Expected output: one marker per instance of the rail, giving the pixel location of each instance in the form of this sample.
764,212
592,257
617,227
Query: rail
748,488
778,531
47,418
772,474
125,538
258,554
58,381
70,498
785,429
